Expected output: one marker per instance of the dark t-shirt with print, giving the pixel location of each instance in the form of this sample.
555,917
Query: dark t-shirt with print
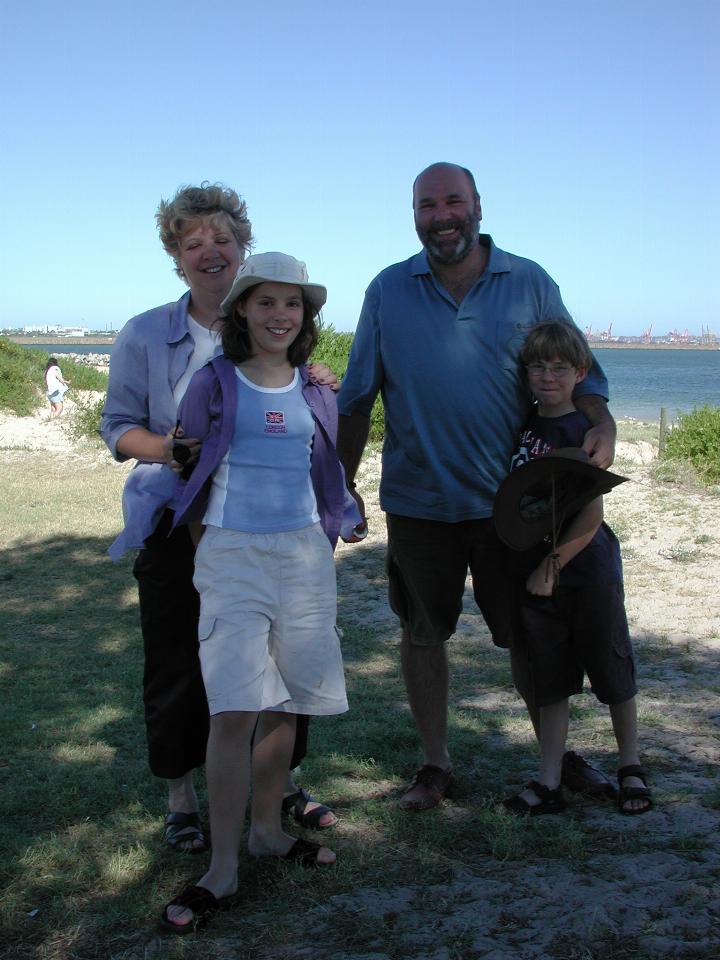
599,562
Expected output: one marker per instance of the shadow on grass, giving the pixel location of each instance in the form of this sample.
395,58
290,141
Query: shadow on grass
83,870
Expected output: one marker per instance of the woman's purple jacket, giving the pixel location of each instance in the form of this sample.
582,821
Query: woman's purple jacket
207,412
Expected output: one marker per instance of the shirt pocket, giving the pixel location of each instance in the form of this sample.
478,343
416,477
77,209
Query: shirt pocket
511,335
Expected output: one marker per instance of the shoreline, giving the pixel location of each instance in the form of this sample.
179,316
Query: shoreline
99,341
621,345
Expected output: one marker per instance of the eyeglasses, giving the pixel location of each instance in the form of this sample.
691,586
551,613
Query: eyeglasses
555,370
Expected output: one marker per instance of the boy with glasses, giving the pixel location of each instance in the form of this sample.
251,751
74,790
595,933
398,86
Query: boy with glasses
572,610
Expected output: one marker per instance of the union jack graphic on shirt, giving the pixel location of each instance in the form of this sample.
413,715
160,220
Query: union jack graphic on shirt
275,421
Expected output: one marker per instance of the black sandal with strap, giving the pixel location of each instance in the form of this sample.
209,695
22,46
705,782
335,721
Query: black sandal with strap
551,801
634,793
303,852
183,830
203,905
294,806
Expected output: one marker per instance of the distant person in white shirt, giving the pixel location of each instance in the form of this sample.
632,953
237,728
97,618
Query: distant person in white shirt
56,387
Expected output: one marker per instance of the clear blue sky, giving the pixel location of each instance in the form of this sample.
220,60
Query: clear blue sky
591,126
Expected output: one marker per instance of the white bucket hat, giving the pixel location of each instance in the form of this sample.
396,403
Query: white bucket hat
274,268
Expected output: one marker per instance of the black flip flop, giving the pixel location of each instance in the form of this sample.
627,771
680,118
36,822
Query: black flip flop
302,852
203,904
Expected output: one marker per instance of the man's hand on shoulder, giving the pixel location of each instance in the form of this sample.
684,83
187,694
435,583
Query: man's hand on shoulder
599,444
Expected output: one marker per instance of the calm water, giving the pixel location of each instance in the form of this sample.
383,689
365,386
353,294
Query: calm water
641,381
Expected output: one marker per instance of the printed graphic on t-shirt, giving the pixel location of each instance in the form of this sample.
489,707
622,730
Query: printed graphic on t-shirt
275,421
531,447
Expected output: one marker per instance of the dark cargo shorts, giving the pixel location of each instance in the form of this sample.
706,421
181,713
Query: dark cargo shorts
575,632
427,566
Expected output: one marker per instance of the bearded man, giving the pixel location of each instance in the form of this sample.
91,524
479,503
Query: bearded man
438,337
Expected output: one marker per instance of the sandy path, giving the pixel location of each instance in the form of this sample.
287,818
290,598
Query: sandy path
664,901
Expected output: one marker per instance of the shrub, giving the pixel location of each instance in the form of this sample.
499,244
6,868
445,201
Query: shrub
80,376
22,377
697,438
85,421
333,349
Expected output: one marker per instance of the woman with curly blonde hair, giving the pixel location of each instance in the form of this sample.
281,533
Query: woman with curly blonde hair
206,231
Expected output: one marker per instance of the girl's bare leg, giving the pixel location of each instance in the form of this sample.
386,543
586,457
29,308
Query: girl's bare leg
272,749
227,769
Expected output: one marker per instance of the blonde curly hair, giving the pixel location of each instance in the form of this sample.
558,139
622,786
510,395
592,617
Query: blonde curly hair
177,216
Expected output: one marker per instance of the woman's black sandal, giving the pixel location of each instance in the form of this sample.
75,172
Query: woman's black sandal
551,801
203,905
294,806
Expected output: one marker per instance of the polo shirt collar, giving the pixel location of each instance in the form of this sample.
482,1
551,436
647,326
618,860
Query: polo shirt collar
498,261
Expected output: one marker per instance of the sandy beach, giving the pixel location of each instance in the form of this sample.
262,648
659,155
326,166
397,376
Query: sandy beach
666,899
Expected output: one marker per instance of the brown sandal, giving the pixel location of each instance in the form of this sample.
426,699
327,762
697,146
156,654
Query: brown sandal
428,788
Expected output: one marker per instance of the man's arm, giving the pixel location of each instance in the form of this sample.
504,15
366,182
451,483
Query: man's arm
353,433
599,442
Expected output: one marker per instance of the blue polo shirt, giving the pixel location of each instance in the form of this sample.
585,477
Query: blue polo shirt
449,379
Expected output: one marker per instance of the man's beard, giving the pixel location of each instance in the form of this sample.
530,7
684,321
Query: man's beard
441,250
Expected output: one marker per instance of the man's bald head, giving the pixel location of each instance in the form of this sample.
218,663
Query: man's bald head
445,166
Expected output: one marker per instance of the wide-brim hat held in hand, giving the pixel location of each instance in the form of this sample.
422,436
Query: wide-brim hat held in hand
274,268
534,500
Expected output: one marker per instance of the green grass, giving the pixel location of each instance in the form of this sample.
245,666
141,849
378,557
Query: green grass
80,815
633,430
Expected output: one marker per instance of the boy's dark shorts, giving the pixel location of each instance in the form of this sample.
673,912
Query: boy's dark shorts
577,631
427,566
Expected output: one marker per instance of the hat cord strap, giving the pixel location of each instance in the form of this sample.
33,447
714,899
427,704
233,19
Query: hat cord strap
554,558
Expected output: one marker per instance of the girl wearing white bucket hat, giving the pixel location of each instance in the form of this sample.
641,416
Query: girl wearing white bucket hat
267,500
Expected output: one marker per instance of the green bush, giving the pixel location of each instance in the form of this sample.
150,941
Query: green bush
85,421
697,438
22,377
82,377
333,349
